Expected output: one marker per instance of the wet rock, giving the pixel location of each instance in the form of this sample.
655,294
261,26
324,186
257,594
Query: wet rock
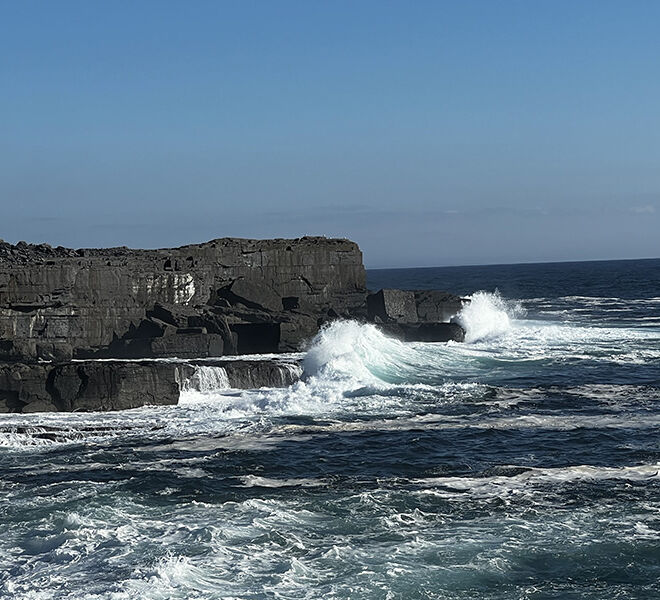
246,374
434,306
85,386
392,306
424,332
413,306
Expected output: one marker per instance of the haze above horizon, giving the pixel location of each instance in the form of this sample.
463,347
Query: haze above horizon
431,133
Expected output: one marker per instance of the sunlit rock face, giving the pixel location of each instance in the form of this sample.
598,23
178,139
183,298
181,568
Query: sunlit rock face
222,297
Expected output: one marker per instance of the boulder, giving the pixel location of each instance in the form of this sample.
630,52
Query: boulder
434,306
392,306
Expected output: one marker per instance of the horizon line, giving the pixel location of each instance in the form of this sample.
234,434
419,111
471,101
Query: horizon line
531,262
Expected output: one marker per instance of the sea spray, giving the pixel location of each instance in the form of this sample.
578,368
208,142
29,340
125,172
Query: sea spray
525,464
352,350
487,315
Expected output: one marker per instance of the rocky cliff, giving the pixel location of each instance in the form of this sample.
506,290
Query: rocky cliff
226,296
62,310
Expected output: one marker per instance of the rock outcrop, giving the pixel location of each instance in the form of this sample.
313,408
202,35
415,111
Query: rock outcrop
101,385
222,297
85,386
416,315
84,330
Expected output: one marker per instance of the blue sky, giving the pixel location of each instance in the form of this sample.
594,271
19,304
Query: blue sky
432,133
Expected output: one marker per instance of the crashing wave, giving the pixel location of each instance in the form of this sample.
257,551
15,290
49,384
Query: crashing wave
486,316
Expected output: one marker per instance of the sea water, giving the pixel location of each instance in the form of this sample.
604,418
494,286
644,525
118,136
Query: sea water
523,463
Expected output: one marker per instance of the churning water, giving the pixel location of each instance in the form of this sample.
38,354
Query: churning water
521,464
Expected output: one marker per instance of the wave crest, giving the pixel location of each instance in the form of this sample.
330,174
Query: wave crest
348,349
487,315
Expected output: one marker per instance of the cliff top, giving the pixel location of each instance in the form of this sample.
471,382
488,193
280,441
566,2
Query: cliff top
23,252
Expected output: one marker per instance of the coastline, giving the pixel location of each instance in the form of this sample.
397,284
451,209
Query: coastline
63,310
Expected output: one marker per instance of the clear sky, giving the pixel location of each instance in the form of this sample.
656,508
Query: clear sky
432,133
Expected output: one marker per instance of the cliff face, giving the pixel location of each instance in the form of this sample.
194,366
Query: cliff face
117,385
228,296
222,297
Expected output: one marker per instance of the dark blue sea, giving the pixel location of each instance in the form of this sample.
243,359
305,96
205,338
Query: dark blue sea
521,464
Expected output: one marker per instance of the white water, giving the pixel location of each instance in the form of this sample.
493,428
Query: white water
487,316
352,369
353,481
206,379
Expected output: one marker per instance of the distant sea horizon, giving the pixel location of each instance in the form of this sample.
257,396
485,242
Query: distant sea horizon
508,264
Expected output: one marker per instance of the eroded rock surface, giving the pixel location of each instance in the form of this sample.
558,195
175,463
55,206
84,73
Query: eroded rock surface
102,385
61,310
228,295
85,386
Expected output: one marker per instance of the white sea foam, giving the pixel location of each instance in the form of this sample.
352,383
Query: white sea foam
347,349
206,379
269,482
533,477
486,316
27,439
352,368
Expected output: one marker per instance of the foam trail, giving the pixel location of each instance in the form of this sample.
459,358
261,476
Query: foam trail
486,316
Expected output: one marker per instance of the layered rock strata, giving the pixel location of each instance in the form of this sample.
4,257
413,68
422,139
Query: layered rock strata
226,296
101,385
76,325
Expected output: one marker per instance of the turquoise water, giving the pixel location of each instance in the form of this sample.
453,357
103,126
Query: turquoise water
522,464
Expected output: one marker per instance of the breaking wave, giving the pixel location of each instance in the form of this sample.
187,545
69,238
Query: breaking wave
357,350
487,316
348,349
524,463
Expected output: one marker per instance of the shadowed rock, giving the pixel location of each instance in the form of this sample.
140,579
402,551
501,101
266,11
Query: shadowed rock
424,332
225,297
417,316
78,386
392,306
116,385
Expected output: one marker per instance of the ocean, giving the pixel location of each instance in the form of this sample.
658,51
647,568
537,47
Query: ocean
521,464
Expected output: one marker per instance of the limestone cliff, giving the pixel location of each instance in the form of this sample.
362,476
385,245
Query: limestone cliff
60,309
223,297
